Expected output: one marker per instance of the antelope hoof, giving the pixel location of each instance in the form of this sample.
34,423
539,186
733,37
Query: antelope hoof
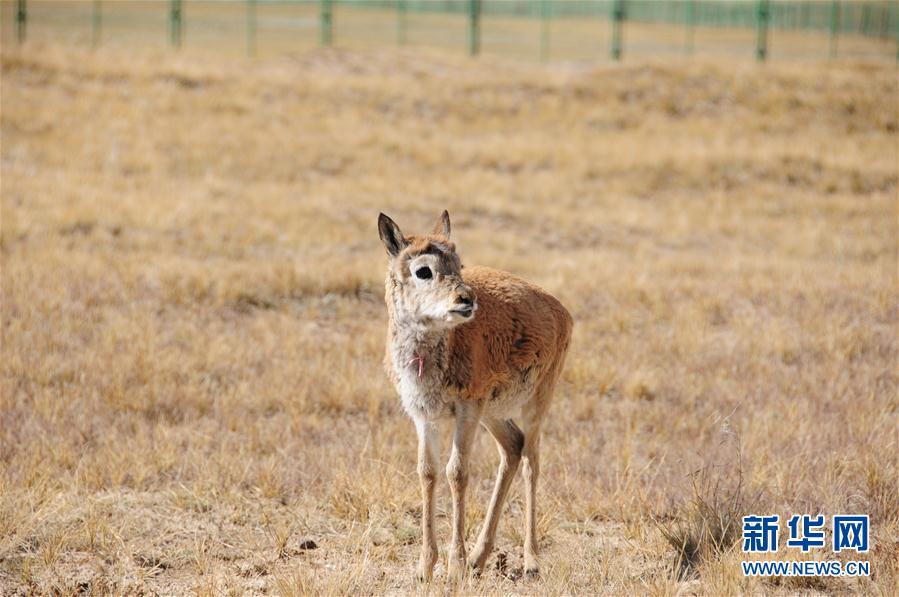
457,569
425,570
423,576
478,560
531,567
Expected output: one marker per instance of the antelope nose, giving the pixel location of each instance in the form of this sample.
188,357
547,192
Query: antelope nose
465,299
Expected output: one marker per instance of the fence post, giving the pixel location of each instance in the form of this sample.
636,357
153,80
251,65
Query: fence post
401,22
21,13
327,23
761,48
96,23
834,28
866,18
617,20
474,27
175,22
885,21
691,23
544,30
896,27
893,24
251,28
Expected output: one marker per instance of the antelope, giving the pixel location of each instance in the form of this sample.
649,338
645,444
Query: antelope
478,346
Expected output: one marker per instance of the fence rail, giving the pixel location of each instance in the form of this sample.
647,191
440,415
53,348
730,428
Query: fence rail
861,17
877,19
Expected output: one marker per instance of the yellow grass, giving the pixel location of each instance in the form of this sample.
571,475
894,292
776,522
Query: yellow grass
192,391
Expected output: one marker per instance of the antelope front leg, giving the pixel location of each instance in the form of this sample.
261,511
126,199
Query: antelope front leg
468,415
428,452
531,473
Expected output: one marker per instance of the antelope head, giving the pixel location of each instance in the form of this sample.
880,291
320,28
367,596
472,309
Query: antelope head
424,277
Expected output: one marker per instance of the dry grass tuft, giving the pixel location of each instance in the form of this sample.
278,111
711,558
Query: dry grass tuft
709,524
882,491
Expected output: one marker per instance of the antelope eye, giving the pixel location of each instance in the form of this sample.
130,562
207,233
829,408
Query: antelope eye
423,273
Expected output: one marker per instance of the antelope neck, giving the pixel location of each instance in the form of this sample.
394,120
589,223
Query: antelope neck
418,347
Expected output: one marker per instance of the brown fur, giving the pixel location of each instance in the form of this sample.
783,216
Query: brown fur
519,327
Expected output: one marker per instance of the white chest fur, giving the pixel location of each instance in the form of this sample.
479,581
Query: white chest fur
419,364
421,397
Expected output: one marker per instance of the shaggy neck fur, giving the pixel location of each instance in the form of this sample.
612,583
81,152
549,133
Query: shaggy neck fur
409,338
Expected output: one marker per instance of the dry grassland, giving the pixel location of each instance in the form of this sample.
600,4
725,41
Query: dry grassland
192,316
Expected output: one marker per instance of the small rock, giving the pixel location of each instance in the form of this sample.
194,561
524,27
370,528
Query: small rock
381,537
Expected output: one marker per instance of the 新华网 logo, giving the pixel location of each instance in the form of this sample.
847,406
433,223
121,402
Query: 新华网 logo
848,532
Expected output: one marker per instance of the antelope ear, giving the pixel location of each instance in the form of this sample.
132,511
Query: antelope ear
443,225
391,235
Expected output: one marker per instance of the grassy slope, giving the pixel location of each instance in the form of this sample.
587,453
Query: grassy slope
193,325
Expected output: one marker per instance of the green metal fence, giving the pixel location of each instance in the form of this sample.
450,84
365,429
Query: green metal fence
765,19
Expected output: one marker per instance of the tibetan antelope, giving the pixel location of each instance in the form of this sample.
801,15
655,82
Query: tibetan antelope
479,346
